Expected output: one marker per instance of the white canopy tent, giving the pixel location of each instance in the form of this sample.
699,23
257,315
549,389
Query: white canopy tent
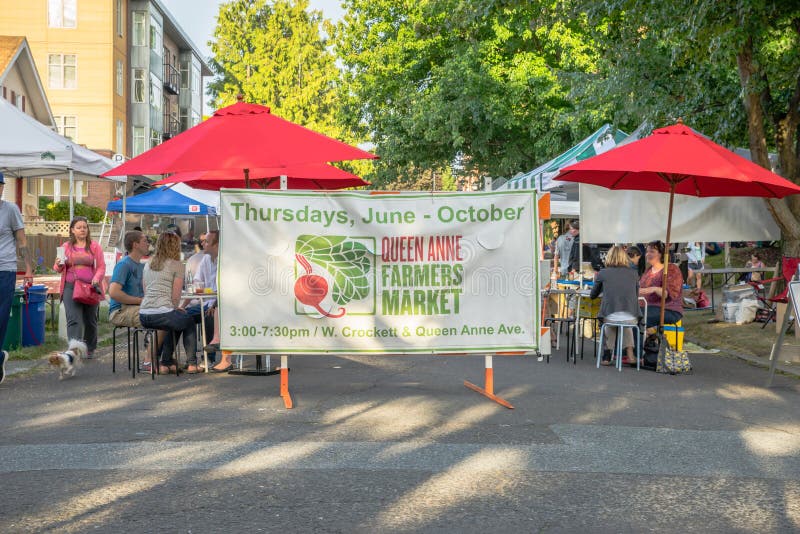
29,149
609,216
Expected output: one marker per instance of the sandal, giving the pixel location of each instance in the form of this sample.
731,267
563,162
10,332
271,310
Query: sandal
192,369
605,362
163,370
222,369
211,347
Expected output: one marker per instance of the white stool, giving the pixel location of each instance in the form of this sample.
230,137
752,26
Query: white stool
636,341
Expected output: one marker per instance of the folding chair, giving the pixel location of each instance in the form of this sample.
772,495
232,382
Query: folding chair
788,270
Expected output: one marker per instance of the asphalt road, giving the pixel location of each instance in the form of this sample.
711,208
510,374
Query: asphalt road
398,444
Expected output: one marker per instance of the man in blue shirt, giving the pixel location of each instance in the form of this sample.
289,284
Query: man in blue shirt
126,289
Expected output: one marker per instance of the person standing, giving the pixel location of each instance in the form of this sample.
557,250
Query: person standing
83,262
696,255
12,239
563,250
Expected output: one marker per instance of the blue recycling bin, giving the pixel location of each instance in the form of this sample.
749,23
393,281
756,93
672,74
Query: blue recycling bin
33,316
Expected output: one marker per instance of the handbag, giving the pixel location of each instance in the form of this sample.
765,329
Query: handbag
85,293
671,361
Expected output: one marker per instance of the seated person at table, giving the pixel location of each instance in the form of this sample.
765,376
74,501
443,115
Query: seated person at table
206,276
754,263
650,287
163,283
619,285
126,289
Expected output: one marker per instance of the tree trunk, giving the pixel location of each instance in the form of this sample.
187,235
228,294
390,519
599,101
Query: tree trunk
781,210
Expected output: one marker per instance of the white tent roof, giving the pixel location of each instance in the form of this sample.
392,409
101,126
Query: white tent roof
209,198
28,148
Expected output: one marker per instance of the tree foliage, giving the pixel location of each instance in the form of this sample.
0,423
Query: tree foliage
487,82
277,54
730,69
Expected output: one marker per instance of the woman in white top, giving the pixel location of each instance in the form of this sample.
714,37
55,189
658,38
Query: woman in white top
163,282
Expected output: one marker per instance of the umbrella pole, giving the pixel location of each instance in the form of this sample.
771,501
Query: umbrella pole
247,178
666,257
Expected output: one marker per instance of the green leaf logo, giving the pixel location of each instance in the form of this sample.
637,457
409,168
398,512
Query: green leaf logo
347,263
48,155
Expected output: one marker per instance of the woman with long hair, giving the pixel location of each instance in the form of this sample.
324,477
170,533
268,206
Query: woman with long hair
619,285
651,286
163,282
83,261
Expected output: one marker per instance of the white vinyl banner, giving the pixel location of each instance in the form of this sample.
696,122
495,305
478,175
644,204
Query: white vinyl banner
353,272
614,216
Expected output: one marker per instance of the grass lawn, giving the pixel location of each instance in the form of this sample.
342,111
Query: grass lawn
52,342
746,338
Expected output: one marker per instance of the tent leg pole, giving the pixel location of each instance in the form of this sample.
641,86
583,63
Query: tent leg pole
71,196
124,210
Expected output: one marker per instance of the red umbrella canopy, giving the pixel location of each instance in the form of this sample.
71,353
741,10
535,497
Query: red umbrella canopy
679,157
238,137
316,176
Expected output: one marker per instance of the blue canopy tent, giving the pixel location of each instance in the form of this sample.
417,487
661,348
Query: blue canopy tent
163,201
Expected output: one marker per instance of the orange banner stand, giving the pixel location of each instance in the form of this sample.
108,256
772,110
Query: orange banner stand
544,206
488,388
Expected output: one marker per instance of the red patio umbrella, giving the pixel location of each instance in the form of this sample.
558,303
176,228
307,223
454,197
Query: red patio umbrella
678,160
314,176
240,137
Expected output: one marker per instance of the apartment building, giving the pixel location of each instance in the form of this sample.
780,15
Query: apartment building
121,76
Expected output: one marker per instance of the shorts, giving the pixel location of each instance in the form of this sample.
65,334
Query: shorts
127,315
695,265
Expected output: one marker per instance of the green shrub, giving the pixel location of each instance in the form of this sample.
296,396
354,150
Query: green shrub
59,211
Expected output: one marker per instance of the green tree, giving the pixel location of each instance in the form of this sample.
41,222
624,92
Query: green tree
276,54
489,82
730,69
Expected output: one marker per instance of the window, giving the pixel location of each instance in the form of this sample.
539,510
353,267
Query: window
50,188
19,101
195,118
120,79
67,126
184,74
62,13
195,79
138,140
30,186
155,138
138,28
155,36
155,92
138,86
120,17
62,71
120,134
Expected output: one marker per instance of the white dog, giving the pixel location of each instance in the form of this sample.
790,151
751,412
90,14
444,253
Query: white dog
68,360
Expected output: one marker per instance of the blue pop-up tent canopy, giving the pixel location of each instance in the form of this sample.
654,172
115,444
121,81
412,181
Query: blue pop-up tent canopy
163,201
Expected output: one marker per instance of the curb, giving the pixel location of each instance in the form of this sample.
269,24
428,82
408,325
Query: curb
749,358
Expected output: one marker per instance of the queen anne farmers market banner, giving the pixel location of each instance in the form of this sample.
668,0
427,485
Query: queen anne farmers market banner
350,272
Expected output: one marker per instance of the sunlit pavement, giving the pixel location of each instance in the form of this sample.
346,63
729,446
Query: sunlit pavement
398,444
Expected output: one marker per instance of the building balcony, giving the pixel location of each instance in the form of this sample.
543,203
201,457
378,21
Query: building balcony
172,79
172,127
